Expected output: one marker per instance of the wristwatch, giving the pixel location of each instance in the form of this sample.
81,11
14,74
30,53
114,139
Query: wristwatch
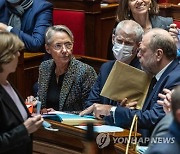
112,110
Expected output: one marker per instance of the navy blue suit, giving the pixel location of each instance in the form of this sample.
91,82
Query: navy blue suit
94,96
34,23
151,112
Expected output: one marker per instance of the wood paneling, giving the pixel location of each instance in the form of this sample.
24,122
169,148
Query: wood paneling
70,139
170,10
27,73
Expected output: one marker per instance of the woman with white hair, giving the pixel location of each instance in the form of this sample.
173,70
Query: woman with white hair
64,82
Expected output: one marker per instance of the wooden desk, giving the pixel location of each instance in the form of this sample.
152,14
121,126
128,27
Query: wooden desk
17,78
31,70
70,139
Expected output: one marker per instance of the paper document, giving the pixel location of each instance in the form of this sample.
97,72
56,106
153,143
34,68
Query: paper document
125,81
103,128
70,119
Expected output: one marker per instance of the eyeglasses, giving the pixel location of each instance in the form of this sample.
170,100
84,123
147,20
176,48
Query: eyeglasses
59,46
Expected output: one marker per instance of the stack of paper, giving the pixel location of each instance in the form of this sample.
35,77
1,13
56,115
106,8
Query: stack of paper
103,128
70,119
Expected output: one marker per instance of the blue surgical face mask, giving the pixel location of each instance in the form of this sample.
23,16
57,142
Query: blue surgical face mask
122,52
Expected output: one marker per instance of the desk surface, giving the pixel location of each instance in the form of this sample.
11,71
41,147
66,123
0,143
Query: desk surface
28,55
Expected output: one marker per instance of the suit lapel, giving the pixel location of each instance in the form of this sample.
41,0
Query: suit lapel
22,101
67,83
46,76
171,67
10,104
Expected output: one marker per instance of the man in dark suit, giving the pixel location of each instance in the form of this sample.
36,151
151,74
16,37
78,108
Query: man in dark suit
28,19
125,36
157,56
171,139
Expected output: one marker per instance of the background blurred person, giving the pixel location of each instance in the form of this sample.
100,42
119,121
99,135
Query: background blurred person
28,19
144,12
16,125
169,141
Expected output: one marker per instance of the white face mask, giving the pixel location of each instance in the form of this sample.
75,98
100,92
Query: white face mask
122,52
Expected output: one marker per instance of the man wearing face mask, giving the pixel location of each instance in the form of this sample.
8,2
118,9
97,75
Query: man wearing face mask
28,19
126,40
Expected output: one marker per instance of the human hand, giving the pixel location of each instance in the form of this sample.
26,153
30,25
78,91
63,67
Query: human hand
165,100
3,27
45,110
174,32
98,110
33,123
130,105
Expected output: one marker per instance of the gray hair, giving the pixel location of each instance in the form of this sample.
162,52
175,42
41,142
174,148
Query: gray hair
134,27
161,39
57,28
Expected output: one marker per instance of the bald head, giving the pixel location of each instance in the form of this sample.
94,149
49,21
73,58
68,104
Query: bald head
161,39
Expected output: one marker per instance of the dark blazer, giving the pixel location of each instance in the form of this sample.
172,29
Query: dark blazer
14,137
76,85
151,112
94,96
34,23
156,21
168,143
161,128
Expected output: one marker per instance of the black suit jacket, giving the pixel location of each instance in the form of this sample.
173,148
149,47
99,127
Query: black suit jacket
14,137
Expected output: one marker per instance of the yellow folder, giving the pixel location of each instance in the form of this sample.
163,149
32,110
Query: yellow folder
125,81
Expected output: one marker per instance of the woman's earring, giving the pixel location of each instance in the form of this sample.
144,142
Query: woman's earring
129,15
47,51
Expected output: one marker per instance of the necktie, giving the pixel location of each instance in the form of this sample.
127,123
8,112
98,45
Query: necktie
151,86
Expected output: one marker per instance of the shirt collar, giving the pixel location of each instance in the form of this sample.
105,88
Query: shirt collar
162,71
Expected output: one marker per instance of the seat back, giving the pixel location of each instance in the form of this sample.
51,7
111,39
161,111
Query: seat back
177,22
75,21
92,61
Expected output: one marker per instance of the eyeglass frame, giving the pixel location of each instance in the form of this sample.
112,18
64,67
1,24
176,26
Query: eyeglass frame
66,44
